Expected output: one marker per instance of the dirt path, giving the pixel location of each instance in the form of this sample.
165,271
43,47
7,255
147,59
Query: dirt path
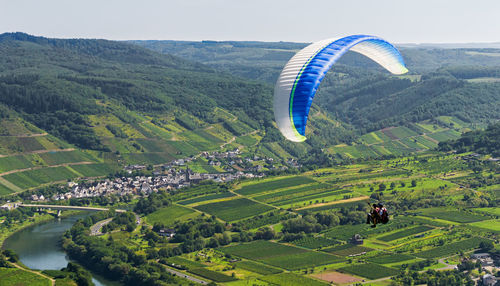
40,167
38,152
448,266
335,202
234,138
228,142
35,272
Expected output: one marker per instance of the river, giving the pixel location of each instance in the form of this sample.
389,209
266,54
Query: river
38,246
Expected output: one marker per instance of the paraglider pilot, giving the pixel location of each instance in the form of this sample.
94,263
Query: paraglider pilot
378,214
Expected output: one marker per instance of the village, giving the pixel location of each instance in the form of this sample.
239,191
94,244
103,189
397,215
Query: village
171,176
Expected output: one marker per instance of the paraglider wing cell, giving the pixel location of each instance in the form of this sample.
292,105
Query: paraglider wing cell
302,75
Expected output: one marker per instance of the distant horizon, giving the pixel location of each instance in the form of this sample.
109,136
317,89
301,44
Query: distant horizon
232,40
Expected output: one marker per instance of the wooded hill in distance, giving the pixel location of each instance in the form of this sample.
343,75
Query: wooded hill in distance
441,82
83,108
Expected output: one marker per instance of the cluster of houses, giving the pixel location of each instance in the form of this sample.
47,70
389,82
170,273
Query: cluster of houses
168,180
476,156
488,263
171,176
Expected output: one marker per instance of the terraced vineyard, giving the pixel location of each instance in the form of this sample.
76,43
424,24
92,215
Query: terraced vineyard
234,209
404,233
401,140
292,280
370,270
452,248
390,258
270,185
170,214
279,255
314,242
206,198
30,158
212,275
257,267
347,250
454,215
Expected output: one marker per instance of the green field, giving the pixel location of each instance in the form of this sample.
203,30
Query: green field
347,249
400,132
186,263
184,148
212,275
11,145
492,211
234,209
302,260
154,145
280,255
426,142
453,215
344,232
206,198
493,225
324,195
390,258
278,196
18,277
168,215
291,279
260,249
15,162
257,267
56,158
404,233
273,185
34,178
93,170
148,158
237,127
4,190
445,135
370,270
333,206
261,220
452,248
314,242
371,138
246,140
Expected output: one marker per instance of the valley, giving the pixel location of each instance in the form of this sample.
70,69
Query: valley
181,136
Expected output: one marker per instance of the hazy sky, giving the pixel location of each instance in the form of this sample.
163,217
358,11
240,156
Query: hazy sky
400,21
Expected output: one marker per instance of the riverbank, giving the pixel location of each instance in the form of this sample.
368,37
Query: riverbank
39,245
36,219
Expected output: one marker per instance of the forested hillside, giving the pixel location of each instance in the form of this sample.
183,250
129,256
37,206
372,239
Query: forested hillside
122,104
91,106
442,82
480,141
264,60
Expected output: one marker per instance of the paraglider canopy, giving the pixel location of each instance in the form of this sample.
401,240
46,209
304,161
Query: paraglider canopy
302,75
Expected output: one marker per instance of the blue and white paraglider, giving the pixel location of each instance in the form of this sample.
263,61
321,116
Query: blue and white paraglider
302,75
